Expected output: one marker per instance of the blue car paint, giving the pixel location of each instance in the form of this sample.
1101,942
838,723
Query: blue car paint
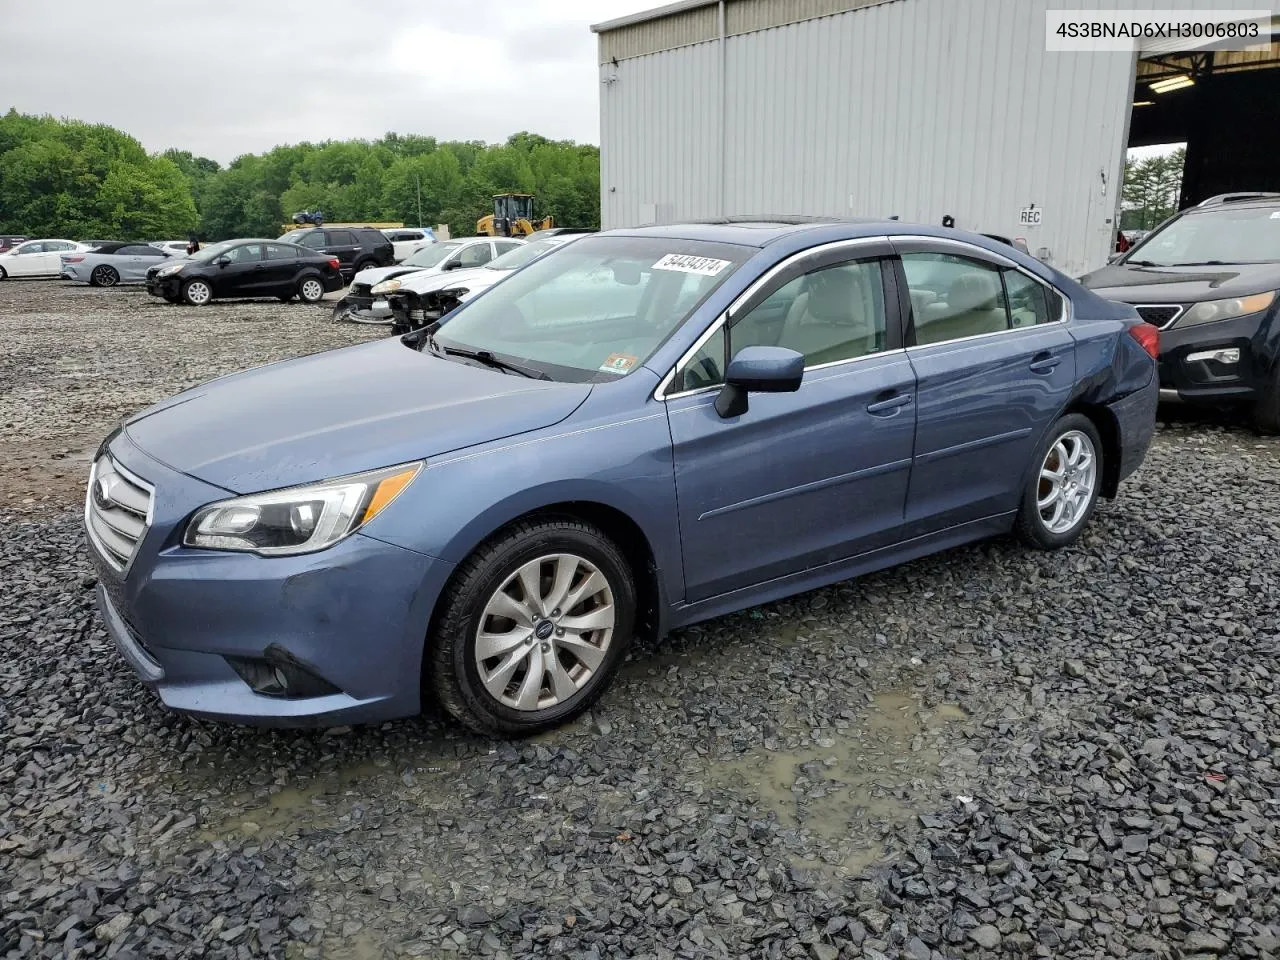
734,512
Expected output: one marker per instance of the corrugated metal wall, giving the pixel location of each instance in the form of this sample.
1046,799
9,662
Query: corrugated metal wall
918,108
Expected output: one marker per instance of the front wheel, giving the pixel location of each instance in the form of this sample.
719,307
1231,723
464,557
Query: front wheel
3,275
197,292
1064,486
104,276
532,628
310,290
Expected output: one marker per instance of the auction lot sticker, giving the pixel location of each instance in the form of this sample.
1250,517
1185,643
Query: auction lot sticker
618,363
684,263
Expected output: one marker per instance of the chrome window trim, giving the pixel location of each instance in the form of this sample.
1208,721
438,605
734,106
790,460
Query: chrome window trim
1180,309
757,284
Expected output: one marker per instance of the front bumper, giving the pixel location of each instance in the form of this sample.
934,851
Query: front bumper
1190,371
164,286
355,615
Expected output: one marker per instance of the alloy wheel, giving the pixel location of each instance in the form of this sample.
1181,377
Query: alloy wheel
1068,480
199,292
104,276
545,632
311,290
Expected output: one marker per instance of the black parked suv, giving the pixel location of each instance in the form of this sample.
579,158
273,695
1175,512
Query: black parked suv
1208,278
357,248
246,268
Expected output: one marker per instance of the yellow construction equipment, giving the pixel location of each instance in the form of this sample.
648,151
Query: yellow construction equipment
512,217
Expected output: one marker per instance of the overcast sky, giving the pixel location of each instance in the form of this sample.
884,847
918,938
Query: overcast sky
240,76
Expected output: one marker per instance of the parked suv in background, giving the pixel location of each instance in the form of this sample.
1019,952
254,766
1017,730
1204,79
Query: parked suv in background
1208,278
357,248
407,241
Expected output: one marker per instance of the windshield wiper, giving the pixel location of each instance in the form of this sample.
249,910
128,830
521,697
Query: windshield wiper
1142,263
1201,263
485,357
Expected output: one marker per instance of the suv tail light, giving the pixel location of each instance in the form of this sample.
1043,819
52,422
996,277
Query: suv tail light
333,262
1148,337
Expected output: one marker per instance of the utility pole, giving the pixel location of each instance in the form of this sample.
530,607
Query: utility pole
417,182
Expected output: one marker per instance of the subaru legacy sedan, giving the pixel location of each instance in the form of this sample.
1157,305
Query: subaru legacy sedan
643,429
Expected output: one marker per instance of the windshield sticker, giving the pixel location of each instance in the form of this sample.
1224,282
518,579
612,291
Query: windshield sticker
684,263
618,363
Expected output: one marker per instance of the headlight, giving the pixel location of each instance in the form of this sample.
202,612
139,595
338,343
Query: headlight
170,270
386,286
1210,310
298,519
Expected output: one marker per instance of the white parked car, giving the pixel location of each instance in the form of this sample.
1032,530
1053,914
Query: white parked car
37,258
420,297
174,248
360,303
406,241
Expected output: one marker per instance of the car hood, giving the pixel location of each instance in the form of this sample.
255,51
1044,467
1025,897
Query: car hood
1133,284
342,412
378,274
473,279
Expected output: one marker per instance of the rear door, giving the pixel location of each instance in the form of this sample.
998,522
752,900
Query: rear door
806,478
342,244
995,364
282,265
245,275
133,261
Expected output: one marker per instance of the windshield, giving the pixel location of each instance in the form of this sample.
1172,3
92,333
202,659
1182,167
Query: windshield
208,253
524,254
1240,235
594,310
432,255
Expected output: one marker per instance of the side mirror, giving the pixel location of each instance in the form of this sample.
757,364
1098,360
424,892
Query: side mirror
758,370
223,260
452,265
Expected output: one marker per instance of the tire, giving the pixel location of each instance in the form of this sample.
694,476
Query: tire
364,265
3,275
310,290
1073,437
104,276
1266,412
197,292
490,578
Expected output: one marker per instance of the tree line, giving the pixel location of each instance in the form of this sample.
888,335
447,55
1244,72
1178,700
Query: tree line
1151,190
66,178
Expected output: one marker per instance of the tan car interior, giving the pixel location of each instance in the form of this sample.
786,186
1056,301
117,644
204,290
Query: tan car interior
974,305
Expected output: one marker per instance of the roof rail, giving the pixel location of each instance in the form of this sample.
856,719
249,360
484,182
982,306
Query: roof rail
1239,197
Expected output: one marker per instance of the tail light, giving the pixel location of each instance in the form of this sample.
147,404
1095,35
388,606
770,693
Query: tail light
333,262
1148,337
72,259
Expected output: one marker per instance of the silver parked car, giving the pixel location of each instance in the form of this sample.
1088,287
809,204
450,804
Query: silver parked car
112,263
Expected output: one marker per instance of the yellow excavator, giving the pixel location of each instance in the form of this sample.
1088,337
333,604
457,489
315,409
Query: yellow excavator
512,217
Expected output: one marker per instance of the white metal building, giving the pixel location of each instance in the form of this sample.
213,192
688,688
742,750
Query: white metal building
915,108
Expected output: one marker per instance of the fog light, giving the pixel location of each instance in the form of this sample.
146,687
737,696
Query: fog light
279,674
1225,355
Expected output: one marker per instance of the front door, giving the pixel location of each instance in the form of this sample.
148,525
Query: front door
244,276
136,259
994,365
342,244
282,269
32,260
805,478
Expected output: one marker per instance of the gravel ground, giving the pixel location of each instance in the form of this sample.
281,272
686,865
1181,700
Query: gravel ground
991,752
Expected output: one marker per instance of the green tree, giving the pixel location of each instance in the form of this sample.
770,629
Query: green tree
1151,190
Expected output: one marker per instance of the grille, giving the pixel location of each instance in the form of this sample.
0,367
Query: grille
117,512
1159,314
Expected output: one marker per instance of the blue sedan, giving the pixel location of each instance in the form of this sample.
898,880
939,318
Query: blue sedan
644,429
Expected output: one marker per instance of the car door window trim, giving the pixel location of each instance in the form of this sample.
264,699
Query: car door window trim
799,258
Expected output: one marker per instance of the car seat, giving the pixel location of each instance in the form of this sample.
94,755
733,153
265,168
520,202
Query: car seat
974,305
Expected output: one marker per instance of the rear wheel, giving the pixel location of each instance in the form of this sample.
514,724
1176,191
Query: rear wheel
532,627
104,276
197,292
363,265
310,290
1064,487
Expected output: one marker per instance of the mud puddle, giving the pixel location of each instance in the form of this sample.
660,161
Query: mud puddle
852,789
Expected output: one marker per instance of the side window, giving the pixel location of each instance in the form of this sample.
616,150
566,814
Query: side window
245,254
504,246
954,297
1030,302
341,238
138,250
53,246
314,240
278,251
36,247
705,368
833,313
475,255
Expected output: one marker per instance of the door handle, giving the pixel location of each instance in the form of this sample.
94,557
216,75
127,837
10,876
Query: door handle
1044,363
259,268
889,406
